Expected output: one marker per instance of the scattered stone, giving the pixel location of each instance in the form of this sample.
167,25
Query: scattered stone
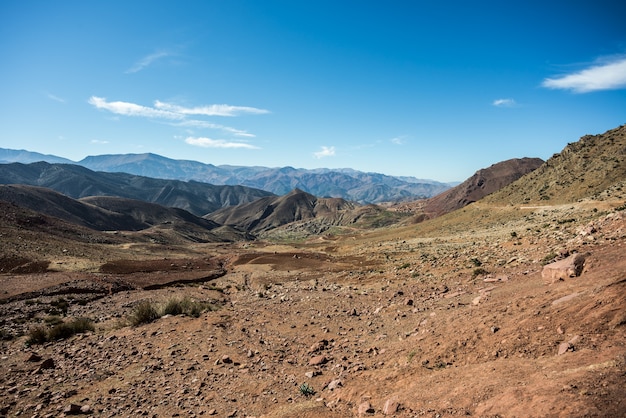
47,364
565,298
335,384
226,359
317,360
318,346
85,409
34,357
72,409
312,374
365,408
564,347
391,406
408,302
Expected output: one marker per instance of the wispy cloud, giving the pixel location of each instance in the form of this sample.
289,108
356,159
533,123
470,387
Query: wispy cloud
504,103
217,143
398,140
175,115
210,110
55,98
132,109
146,61
99,141
606,74
325,152
194,123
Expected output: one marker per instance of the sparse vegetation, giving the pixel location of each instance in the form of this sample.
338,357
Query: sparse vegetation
307,390
476,262
146,311
479,272
186,306
41,334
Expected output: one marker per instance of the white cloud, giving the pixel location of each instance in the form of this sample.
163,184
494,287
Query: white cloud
55,98
325,152
146,61
217,143
608,75
98,141
504,103
194,123
210,110
132,109
179,116
398,140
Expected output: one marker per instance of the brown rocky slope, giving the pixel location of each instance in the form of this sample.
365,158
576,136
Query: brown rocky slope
449,317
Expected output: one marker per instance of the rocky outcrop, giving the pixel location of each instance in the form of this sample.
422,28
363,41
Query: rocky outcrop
564,269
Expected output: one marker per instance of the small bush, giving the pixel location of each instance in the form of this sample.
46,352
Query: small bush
186,306
476,262
37,335
144,313
479,272
53,320
548,259
82,325
60,304
60,331
307,390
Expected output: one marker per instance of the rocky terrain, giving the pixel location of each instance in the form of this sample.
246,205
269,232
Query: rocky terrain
473,313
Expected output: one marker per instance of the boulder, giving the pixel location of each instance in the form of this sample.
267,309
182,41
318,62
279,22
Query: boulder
571,266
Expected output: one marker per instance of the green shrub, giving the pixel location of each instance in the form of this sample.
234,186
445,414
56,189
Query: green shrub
186,306
307,390
144,313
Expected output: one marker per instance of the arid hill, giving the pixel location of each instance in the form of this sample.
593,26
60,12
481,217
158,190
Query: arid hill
105,213
454,316
481,184
302,211
587,168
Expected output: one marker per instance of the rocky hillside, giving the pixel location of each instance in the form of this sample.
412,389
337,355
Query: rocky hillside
302,213
481,184
105,213
589,167
78,182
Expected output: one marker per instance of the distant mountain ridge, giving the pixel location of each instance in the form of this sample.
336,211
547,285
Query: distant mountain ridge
348,184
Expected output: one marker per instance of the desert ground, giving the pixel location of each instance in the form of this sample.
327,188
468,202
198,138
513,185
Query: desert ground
449,317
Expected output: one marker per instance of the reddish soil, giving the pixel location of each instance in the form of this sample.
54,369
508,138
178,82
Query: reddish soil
438,319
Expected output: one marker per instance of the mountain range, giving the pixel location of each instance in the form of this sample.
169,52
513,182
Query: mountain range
78,182
348,184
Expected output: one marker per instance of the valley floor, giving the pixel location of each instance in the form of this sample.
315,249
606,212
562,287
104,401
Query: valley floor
450,317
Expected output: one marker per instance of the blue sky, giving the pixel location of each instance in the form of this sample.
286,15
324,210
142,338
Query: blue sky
419,88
